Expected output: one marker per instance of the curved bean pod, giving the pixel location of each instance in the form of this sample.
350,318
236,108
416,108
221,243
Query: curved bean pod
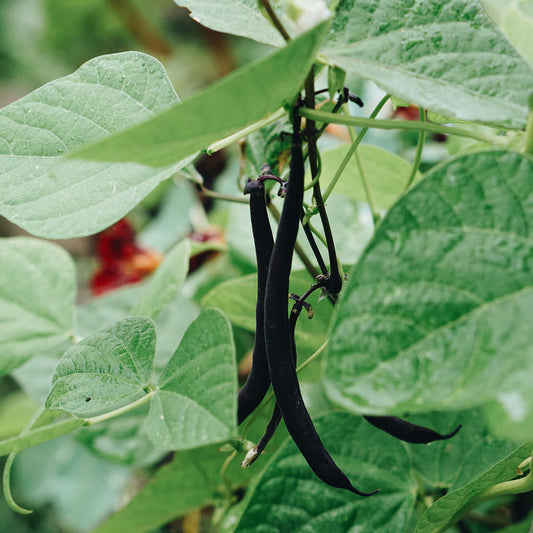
278,336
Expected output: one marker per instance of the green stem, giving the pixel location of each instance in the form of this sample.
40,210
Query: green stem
352,149
321,237
322,116
219,196
234,137
418,154
6,478
368,191
120,411
224,474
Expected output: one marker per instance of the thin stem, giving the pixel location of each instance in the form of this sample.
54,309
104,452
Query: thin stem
418,154
297,248
275,20
224,475
399,124
353,147
121,410
335,284
219,196
6,479
368,191
234,137
321,237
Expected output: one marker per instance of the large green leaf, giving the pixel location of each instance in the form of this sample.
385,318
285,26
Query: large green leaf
237,299
433,317
444,56
192,480
289,497
37,291
106,369
242,98
196,399
452,463
52,197
386,173
238,17
453,505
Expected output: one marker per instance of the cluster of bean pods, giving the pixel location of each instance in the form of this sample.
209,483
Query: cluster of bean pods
274,356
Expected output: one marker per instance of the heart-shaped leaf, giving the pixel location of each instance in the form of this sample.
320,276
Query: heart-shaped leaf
195,403
434,314
52,197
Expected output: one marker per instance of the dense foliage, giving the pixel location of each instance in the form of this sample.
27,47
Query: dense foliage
432,323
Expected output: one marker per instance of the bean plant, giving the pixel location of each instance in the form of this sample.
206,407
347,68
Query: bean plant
407,336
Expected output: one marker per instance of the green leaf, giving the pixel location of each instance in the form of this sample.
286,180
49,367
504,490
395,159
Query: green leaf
238,17
237,299
386,174
191,481
289,497
446,57
196,398
52,197
165,283
242,98
109,367
459,460
454,504
37,291
510,415
432,317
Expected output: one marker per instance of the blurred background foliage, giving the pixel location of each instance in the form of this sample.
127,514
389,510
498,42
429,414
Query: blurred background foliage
73,483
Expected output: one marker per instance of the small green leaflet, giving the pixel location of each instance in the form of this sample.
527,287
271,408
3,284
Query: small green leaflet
106,369
37,291
447,57
434,314
195,403
57,198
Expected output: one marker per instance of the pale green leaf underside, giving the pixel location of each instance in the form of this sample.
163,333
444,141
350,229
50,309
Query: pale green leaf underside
164,285
447,57
109,367
195,402
289,497
238,17
386,174
433,317
245,96
451,506
237,299
37,291
52,197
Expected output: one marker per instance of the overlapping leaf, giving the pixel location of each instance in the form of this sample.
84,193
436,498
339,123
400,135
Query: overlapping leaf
289,497
434,314
195,401
242,98
444,56
37,290
106,369
51,197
